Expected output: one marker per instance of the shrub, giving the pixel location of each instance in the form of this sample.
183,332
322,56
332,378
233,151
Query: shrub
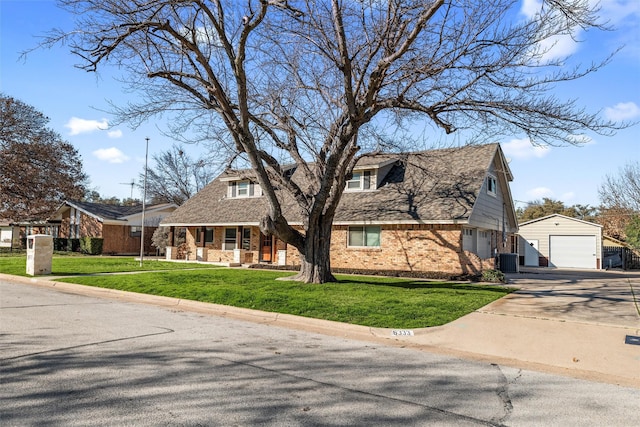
91,245
494,276
60,244
73,245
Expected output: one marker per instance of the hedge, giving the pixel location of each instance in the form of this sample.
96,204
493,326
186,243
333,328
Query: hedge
91,245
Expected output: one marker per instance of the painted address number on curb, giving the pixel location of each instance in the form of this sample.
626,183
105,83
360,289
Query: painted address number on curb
402,332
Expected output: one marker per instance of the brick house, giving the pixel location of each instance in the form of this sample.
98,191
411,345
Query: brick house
446,210
119,226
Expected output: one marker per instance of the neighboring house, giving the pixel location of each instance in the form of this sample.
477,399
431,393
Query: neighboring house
618,254
119,226
9,234
447,210
560,241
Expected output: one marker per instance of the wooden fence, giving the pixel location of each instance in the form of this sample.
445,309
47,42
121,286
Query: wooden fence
620,257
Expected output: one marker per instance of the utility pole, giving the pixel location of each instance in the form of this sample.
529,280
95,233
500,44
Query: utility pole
144,201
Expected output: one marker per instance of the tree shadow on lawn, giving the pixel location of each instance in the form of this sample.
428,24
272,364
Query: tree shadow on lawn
418,284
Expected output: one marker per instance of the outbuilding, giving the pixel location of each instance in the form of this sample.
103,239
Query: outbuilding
561,242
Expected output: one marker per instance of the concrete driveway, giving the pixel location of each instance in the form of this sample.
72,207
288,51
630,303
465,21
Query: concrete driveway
573,323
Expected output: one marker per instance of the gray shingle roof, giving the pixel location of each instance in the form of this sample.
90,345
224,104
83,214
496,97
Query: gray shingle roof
428,186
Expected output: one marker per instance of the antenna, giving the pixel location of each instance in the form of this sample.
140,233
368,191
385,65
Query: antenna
132,184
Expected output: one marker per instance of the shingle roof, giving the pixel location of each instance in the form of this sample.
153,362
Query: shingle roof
108,212
429,186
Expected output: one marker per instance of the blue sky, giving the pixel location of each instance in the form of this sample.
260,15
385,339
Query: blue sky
77,101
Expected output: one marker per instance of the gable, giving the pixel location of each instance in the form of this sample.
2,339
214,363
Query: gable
436,186
494,207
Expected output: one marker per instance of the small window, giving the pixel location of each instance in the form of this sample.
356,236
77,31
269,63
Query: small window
354,182
136,231
244,189
246,239
364,236
230,238
492,187
208,235
360,181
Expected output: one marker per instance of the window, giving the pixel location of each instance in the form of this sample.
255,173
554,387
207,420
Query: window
491,185
198,235
367,236
208,235
230,237
244,189
246,239
136,231
360,181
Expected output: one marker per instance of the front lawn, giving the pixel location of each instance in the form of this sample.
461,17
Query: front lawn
68,265
370,301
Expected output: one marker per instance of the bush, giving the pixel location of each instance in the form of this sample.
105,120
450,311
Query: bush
60,244
73,245
91,245
494,276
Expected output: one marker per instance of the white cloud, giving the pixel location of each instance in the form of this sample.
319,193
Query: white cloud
616,11
523,149
111,155
117,133
555,47
539,193
622,111
77,126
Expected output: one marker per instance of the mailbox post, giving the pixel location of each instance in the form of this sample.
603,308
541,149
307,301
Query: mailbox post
39,254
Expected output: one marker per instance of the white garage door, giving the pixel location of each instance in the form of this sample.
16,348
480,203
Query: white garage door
573,251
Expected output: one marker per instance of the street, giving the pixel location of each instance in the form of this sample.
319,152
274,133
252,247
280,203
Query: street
76,360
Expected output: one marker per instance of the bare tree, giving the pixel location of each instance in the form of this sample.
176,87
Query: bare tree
307,82
177,176
622,190
620,200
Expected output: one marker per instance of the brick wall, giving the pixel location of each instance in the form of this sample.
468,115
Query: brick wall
427,248
118,240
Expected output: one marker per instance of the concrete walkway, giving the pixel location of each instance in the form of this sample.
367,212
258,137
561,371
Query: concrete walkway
572,323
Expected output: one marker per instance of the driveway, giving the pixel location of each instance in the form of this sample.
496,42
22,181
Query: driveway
573,323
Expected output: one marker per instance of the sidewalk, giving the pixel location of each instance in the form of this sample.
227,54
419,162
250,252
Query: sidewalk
562,323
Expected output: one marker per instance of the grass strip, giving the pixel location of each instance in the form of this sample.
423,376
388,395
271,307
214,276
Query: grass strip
369,301
64,265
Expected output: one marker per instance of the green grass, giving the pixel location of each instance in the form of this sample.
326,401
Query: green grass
68,265
377,302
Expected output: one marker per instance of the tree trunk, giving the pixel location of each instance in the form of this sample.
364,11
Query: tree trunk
316,258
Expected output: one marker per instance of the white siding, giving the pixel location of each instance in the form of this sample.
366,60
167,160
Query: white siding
558,225
492,212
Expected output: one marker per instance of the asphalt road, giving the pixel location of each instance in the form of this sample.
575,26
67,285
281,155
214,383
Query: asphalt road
75,360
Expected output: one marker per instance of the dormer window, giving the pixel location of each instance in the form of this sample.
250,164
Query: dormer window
244,189
492,187
361,180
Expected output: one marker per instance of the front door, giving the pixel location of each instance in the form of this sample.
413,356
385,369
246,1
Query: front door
266,248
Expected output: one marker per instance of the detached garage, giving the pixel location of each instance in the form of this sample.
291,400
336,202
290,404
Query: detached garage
561,242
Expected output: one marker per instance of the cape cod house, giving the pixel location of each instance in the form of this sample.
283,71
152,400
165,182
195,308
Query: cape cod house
445,210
